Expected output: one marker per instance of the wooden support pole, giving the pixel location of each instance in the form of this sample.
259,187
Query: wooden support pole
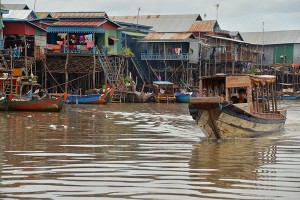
66,74
45,74
94,72
268,96
273,96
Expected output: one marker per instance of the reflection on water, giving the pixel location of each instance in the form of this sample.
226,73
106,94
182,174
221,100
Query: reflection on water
140,151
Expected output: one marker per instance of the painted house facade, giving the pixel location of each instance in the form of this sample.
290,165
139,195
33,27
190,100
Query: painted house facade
82,32
20,34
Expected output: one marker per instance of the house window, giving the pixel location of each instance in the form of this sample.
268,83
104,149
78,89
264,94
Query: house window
112,40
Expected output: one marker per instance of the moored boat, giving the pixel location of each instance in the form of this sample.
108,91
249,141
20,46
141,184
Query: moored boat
138,97
3,102
50,104
182,97
90,98
249,116
163,92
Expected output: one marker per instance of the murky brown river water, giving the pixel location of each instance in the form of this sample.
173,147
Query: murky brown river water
141,151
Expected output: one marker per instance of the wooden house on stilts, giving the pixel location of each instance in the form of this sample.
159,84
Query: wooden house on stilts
83,52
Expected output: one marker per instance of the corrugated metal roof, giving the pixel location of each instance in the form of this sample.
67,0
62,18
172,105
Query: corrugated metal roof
41,15
162,23
19,15
203,26
90,15
272,37
15,6
79,23
168,36
134,33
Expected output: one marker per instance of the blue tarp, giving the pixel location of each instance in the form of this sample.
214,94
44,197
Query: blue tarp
162,83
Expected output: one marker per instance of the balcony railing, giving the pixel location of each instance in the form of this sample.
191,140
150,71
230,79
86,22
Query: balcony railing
157,56
14,53
72,49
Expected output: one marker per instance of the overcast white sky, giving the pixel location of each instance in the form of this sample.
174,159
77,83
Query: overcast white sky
233,15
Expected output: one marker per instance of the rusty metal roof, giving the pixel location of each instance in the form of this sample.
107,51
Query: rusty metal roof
162,23
41,15
203,26
168,36
68,15
79,23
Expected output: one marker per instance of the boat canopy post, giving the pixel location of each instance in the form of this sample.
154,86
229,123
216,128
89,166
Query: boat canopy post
268,96
200,87
263,108
273,96
256,97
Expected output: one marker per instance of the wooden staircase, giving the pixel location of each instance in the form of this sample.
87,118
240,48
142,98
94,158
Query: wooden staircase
10,88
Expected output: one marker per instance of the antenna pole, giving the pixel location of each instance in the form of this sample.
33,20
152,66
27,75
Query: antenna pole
217,10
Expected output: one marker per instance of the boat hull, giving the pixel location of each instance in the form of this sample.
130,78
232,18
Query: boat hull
288,97
90,98
232,122
3,103
165,99
40,105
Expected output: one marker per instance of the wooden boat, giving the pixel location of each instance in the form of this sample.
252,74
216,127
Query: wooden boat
3,102
163,92
287,92
39,101
220,118
139,97
288,97
182,97
36,104
90,98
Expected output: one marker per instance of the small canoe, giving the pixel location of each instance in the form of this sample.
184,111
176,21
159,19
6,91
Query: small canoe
90,98
3,102
42,105
182,97
289,97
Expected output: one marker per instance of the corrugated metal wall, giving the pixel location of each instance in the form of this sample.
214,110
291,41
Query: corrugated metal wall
283,53
296,53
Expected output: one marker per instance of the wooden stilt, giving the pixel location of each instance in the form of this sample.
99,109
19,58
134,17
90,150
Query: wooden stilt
66,73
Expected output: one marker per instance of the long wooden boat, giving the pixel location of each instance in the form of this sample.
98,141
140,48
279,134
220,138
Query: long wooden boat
220,118
90,98
35,104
